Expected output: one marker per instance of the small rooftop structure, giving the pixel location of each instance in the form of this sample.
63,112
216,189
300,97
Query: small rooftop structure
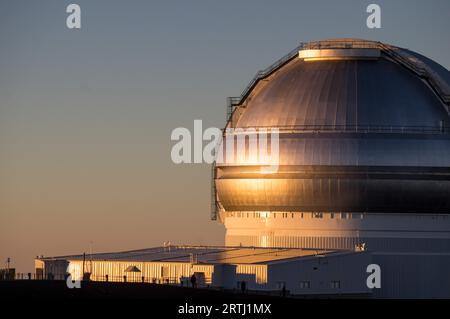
132,269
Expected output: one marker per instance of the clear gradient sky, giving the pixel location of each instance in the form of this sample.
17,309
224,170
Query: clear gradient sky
86,115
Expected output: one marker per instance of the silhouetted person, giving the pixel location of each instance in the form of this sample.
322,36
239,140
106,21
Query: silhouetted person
283,291
243,286
194,281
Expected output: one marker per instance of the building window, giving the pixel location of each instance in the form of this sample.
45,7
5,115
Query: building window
280,284
336,284
317,215
305,284
264,214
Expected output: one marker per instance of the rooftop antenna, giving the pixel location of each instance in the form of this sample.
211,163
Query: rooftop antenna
166,246
90,255
84,261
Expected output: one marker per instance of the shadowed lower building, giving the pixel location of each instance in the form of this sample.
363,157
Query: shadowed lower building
315,272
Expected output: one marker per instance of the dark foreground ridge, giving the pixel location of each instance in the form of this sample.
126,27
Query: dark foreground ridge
166,301
58,290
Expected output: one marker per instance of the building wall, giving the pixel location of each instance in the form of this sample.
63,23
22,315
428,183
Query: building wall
224,276
151,271
413,275
403,274
57,268
385,232
254,275
342,273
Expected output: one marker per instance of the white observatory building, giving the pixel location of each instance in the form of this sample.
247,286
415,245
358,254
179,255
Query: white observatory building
363,178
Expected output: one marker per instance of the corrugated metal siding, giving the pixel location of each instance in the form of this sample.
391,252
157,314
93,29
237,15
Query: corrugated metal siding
374,244
149,270
259,271
413,276
347,268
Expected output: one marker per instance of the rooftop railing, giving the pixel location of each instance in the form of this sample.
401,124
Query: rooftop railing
354,129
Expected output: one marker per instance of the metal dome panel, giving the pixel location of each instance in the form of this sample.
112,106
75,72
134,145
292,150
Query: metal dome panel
356,92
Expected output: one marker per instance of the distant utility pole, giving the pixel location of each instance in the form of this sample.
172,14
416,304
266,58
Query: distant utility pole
84,260
90,256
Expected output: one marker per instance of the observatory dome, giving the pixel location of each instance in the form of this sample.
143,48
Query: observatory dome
364,127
